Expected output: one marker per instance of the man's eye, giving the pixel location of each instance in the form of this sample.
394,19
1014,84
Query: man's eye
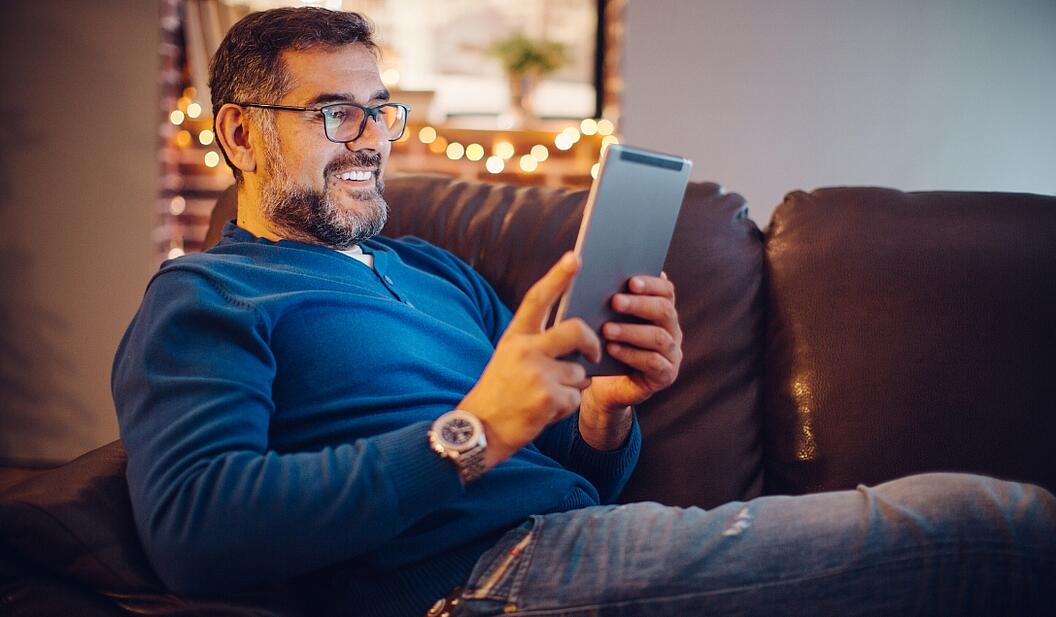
336,114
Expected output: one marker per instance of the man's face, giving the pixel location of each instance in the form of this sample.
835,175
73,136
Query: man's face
311,189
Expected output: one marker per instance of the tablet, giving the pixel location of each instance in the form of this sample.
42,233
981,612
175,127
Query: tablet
626,230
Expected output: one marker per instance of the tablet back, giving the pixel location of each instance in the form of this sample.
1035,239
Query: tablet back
627,227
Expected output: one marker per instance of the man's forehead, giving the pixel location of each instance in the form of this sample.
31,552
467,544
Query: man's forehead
348,72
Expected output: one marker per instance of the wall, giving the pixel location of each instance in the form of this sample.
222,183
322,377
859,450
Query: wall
78,94
768,96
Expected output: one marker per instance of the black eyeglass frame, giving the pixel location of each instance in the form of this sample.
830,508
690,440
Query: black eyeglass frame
368,112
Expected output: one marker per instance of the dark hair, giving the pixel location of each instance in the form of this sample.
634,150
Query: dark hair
248,65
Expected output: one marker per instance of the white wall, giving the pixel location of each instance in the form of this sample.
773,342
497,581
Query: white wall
768,96
78,161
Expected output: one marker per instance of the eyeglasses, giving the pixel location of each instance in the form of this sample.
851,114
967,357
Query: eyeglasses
345,122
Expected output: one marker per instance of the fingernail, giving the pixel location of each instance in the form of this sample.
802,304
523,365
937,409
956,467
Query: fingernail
636,284
619,302
613,348
612,329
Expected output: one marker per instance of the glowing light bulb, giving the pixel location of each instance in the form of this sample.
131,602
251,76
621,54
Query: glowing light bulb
605,127
563,141
528,163
176,117
439,145
194,110
390,77
212,159
504,149
573,133
589,126
206,137
177,205
594,170
494,164
455,151
608,141
474,152
540,153
183,138
427,135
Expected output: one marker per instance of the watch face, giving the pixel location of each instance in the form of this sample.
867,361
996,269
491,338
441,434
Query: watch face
457,431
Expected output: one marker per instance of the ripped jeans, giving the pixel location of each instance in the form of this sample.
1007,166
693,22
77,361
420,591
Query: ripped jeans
947,544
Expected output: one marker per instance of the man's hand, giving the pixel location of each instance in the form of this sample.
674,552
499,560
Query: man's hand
653,350
524,387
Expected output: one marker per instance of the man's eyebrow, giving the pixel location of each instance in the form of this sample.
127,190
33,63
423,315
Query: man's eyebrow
344,97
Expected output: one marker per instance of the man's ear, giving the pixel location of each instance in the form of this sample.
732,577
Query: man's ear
232,131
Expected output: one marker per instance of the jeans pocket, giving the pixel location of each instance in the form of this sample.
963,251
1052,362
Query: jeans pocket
499,571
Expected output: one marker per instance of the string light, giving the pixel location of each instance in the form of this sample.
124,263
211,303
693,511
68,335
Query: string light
589,126
212,159
206,137
427,135
190,92
504,149
605,127
390,77
194,110
474,152
183,138
494,164
177,205
183,102
528,163
176,117
573,133
540,153
439,145
455,151
608,141
563,141
594,170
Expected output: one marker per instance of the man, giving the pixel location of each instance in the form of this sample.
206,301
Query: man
309,399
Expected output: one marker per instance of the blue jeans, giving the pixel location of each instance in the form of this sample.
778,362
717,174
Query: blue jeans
948,544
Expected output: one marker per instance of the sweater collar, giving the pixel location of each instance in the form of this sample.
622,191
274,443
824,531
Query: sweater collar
233,233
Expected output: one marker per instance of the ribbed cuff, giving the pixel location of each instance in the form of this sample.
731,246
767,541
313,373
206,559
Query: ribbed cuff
422,478
608,470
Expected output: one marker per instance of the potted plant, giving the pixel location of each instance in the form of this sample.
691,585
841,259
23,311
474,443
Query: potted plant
525,61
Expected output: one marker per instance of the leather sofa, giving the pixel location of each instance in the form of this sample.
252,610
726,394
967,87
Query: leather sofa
867,335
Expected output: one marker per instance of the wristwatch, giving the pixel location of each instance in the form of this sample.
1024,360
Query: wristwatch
459,435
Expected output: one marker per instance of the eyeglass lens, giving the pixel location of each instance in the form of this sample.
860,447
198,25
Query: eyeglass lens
345,123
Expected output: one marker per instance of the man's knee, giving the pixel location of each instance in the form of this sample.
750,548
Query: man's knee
976,506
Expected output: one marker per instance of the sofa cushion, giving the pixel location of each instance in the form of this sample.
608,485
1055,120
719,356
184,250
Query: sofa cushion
910,332
701,436
72,525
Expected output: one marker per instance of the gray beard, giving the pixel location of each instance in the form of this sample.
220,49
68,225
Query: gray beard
306,215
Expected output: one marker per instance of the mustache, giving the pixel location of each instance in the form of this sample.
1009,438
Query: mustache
353,159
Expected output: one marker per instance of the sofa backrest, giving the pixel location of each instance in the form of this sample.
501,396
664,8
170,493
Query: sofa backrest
910,332
701,436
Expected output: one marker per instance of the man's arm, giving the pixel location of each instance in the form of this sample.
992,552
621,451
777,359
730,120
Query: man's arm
218,510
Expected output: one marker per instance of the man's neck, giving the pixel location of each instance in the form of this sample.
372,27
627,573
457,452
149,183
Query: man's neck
250,216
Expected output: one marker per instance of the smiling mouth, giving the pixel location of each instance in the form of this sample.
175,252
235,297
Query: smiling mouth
356,175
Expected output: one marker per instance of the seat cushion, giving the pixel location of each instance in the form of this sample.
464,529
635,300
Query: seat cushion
910,332
72,527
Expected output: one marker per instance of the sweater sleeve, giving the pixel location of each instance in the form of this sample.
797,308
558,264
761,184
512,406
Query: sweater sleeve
607,470
215,508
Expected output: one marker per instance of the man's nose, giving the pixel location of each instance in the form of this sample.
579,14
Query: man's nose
375,136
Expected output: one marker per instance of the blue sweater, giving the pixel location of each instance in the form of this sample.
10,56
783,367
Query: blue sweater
274,399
